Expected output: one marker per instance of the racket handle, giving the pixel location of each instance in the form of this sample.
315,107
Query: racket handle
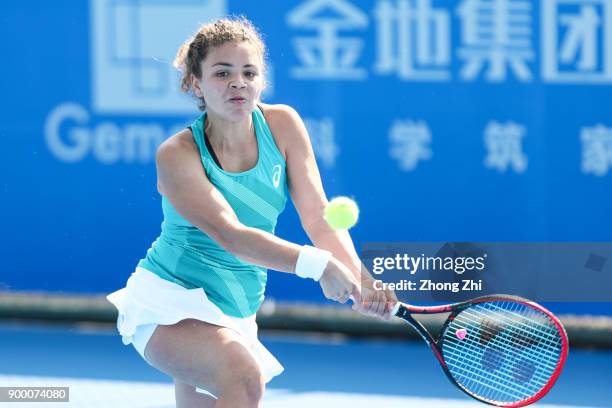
396,309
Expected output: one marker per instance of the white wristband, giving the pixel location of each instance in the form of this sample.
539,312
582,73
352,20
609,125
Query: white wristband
311,262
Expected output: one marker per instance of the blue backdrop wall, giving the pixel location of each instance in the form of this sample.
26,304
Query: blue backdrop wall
446,120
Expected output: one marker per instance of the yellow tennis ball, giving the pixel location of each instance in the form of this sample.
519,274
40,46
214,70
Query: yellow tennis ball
341,213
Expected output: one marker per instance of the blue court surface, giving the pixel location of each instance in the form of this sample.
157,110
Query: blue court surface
319,372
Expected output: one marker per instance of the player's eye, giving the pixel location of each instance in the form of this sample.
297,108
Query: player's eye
221,74
250,74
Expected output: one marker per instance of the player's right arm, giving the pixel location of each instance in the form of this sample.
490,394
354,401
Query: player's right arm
182,180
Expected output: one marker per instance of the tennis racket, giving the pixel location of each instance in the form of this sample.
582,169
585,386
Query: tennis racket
501,350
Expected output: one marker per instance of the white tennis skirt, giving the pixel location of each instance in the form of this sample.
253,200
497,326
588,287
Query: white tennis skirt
148,300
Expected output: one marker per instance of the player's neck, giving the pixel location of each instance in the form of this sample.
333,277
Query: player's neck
226,135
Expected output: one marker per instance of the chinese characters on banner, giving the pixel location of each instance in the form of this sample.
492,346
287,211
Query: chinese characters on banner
567,42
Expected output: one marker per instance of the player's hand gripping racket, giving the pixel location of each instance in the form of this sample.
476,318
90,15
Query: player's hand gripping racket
501,350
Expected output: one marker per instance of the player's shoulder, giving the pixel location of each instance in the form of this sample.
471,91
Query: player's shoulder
286,126
177,147
284,122
280,114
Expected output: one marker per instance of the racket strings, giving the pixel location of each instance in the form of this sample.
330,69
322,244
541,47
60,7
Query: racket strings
523,336
489,349
528,336
506,345
529,323
472,373
546,349
486,390
489,385
543,320
493,363
512,344
509,343
509,353
488,330
457,361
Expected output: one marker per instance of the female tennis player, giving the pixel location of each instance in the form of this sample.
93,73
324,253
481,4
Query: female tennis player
189,308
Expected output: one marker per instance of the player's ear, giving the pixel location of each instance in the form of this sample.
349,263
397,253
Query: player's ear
195,85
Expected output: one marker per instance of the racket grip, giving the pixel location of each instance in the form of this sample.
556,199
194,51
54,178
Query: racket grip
395,309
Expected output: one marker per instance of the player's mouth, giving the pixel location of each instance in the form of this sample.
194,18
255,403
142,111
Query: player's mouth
238,100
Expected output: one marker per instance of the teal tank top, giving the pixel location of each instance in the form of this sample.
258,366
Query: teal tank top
185,255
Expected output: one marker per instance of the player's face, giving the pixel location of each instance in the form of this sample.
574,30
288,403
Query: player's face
232,80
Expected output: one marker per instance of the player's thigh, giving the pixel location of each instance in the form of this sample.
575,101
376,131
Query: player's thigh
202,354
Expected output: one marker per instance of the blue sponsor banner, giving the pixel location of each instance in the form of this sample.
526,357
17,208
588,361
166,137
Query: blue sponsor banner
447,121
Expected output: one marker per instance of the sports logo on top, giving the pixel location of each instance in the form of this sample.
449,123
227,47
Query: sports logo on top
276,175
133,44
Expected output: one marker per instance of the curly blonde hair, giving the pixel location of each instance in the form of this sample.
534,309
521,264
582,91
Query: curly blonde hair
227,30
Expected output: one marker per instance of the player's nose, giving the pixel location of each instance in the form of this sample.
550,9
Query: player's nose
238,84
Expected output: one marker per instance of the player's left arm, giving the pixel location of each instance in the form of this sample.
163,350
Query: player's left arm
308,195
